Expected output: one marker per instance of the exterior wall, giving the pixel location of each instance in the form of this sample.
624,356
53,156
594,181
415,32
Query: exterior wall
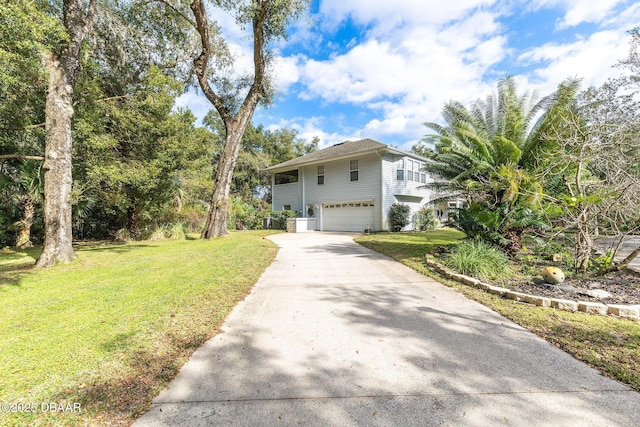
338,187
287,194
377,181
402,191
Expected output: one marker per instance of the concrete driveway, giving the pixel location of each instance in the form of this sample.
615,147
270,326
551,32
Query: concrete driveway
334,334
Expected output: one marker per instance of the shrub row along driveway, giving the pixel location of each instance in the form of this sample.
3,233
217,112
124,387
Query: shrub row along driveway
335,334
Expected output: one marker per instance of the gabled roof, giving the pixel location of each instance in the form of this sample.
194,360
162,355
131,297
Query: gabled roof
342,150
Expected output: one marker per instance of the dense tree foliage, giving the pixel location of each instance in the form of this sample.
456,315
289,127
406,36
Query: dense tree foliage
567,165
593,177
488,154
26,30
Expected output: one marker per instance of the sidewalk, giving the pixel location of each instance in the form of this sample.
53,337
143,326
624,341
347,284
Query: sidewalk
334,334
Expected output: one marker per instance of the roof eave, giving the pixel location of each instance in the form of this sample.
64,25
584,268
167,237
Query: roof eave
279,168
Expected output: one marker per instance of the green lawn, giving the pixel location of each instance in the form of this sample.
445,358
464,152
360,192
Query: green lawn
110,329
610,344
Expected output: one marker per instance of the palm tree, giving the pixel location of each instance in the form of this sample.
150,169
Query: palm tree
489,153
23,189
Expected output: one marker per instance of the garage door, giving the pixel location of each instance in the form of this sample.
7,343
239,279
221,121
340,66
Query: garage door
347,216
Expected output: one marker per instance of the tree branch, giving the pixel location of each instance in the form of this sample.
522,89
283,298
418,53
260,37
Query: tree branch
20,156
172,7
201,63
617,267
39,125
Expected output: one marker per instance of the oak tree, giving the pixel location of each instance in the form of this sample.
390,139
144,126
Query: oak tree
234,96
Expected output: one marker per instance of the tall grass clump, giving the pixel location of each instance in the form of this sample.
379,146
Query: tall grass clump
478,259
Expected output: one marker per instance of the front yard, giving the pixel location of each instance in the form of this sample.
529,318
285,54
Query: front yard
94,341
105,333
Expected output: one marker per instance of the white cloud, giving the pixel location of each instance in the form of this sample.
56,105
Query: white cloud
197,103
407,76
577,12
310,127
590,59
388,14
286,72
411,57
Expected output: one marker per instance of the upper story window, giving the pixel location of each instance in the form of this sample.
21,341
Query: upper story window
353,170
320,175
423,173
400,170
287,177
409,170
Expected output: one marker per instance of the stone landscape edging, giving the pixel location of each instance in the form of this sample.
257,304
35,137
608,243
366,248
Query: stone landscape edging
620,310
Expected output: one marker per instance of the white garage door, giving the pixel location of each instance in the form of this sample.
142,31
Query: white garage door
347,216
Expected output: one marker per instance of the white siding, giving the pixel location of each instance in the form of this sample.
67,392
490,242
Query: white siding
338,187
287,194
406,192
377,183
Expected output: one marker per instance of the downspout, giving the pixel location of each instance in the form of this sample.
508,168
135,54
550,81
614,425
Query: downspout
381,202
303,208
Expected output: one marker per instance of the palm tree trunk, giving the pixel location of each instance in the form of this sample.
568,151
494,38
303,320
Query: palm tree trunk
28,213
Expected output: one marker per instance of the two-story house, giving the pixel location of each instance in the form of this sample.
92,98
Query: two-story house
350,186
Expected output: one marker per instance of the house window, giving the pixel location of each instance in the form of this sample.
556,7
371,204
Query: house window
353,170
400,171
286,208
409,170
423,178
287,177
320,175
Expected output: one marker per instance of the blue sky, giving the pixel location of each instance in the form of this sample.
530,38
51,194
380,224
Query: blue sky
379,69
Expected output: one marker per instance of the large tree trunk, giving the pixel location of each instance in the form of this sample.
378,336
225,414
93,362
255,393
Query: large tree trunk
63,67
216,224
235,124
57,166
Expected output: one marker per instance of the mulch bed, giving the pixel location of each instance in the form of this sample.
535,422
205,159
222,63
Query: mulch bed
624,287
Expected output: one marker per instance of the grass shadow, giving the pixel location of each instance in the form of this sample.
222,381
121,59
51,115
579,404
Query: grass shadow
15,264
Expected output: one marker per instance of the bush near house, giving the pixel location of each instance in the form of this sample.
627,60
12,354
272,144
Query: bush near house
399,216
279,219
424,219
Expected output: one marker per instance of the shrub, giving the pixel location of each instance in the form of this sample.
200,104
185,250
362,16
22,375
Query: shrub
244,215
123,235
399,216
174,231
424,219
279,219
479,259
193,217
